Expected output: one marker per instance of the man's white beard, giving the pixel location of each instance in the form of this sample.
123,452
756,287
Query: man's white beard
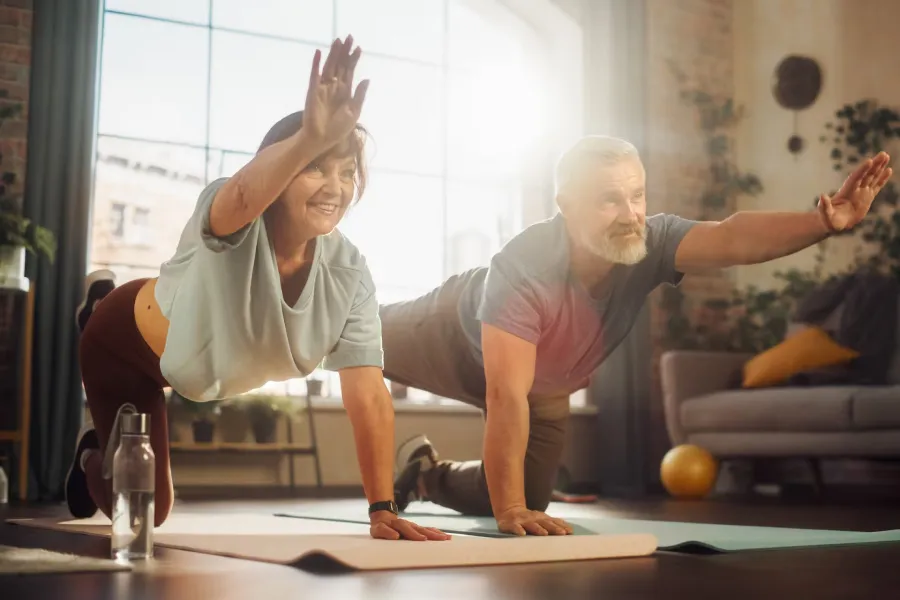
620,251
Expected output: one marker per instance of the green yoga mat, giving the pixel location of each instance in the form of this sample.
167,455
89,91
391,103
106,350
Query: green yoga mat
693,538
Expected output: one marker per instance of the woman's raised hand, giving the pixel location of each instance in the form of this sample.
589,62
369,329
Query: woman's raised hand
332,107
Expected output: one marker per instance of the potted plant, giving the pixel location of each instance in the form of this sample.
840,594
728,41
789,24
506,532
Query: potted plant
314,387
264,410
233,423
203,416
18,234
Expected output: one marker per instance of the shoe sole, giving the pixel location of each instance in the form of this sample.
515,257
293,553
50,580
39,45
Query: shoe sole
78,497
97,286
414,448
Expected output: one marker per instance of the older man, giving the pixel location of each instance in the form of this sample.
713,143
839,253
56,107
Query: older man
517,337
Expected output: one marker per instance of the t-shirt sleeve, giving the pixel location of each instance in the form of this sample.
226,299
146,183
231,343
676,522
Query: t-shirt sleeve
666,233
209,239
509,302
360,341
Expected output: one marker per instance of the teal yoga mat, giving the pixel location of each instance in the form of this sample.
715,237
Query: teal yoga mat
672,536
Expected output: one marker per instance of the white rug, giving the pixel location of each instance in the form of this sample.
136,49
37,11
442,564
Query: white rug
22,561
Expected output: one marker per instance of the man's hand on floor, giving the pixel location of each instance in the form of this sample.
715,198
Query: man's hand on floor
386,525
521,521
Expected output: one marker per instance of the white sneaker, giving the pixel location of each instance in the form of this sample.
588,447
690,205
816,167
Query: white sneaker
96,287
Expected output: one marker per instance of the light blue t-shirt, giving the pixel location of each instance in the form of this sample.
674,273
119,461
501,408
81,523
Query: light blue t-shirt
529,291
230,330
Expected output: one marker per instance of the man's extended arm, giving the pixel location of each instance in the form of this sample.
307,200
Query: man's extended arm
754,237
747,238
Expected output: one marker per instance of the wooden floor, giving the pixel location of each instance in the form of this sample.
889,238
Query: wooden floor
825,573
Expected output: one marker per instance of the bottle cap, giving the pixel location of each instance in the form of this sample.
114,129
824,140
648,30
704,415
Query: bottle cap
135,423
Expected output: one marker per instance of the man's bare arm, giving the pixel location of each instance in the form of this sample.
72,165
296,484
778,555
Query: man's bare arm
509,363
509,373
747,238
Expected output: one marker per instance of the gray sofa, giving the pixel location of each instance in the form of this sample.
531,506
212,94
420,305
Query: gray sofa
702,407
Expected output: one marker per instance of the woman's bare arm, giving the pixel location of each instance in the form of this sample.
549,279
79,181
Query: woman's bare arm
330,115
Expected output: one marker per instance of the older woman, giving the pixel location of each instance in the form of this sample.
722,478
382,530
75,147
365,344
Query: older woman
261,288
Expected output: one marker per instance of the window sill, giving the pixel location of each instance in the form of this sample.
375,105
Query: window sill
438,405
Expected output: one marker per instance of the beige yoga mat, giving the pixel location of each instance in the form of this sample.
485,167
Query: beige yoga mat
314,545
31,561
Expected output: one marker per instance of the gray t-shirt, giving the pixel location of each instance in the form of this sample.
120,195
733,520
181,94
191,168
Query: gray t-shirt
230,330
529,291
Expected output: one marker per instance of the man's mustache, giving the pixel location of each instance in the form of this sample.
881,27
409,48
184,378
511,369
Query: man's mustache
623,231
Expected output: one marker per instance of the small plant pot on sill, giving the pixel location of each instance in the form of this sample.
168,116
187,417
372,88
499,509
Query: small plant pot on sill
263,422
232,424
203,431
314,388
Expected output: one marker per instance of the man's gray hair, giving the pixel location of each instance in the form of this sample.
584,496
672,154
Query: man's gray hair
589,151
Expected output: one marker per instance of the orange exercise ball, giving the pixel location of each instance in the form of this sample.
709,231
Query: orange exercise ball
688,471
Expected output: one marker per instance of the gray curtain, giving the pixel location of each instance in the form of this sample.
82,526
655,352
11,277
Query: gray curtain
65,45
621,387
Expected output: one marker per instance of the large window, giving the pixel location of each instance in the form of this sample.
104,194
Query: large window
457,109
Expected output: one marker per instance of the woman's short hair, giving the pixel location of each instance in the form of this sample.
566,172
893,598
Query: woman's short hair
353,146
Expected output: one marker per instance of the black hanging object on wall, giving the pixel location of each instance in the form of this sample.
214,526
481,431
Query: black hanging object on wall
796,85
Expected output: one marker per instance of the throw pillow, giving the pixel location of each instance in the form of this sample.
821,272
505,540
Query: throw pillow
811,348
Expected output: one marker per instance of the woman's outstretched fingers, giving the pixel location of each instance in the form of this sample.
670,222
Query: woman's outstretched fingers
330,67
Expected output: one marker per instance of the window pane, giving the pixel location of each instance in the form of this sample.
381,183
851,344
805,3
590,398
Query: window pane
144,194
471,38
191,11
496,96
403,114
494,123
411,29
480,218
398,226
226,164
308,20
150,89
255,82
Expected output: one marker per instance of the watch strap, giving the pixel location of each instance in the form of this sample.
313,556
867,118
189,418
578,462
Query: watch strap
388,505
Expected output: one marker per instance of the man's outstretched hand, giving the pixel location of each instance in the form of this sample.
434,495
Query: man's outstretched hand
521,521
851,203
386,525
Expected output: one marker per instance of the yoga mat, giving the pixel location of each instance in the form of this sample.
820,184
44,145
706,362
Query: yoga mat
29,561
670,536
321,544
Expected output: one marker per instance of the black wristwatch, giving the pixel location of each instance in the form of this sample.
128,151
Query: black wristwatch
389,505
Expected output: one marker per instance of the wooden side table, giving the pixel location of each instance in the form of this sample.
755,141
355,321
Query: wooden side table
21,434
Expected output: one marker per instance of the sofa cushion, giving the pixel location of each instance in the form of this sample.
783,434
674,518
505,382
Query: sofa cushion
877,407
797,409
771,409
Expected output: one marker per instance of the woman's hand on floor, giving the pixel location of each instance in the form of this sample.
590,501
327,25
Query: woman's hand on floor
385,525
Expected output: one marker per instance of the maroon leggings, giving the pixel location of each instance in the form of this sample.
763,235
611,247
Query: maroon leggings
118,367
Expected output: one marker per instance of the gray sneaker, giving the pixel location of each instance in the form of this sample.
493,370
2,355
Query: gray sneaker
414,456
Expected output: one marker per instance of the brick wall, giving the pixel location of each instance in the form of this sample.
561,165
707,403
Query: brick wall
697,36
15,66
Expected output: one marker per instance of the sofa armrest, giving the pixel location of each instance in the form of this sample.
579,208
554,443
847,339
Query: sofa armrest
686,374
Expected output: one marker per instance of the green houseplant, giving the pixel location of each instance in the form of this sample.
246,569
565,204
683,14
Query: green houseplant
263,411
18,234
